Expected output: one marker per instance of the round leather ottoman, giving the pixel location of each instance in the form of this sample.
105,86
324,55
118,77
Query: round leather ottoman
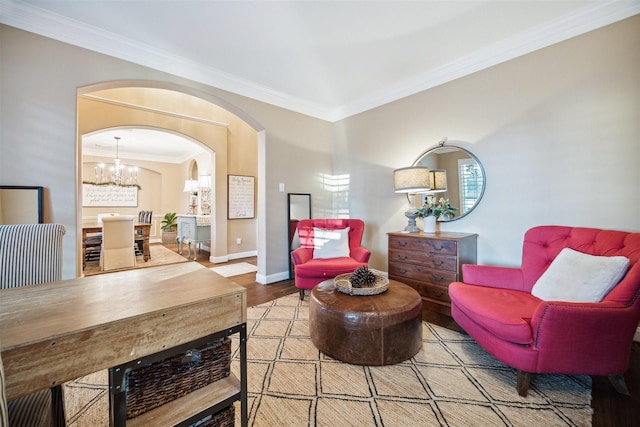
366,330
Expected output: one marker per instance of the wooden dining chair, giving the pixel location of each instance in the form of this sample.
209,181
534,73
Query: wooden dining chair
144,217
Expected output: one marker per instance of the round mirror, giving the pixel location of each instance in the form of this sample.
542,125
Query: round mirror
456,175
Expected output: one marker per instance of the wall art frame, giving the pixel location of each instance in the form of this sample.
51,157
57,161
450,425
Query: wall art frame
241,196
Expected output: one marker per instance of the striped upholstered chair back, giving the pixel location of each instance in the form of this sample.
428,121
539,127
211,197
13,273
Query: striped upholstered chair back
30,254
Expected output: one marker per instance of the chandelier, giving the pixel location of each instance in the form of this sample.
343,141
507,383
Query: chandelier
117,173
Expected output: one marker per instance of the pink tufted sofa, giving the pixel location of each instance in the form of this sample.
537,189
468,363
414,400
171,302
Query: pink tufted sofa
310,271
495,306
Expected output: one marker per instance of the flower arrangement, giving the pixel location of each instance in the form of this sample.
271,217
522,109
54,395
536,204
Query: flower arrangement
438,208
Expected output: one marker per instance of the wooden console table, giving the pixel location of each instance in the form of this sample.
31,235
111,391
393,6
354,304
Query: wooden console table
55,332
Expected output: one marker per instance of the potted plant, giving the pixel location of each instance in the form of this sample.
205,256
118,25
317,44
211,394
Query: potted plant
169,228
433,210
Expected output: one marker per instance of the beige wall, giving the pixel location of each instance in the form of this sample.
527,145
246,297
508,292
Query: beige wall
556,130
232,141
558,133
152,178
39,80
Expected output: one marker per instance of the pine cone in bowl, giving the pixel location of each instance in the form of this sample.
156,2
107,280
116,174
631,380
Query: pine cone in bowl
362,277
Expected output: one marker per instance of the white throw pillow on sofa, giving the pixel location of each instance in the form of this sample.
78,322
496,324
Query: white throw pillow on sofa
330,243
578,277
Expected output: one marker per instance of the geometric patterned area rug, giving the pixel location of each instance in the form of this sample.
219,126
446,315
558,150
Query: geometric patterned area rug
450,382
86,400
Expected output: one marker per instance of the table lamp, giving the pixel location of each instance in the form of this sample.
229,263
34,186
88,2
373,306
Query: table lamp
411,180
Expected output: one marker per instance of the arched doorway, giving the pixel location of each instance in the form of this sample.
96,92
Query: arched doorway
150,159
200,117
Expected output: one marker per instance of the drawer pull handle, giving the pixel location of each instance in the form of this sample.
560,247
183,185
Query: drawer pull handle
402,257
402,243
439,278
437,294
433,261
404,271
437,249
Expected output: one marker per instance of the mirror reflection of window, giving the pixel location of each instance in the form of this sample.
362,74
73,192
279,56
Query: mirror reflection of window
470,184
465,177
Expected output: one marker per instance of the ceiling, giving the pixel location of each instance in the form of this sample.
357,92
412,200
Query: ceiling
326,59
141,144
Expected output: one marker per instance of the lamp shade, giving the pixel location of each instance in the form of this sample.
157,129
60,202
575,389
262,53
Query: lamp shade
204,181
437,180
190,185
413,179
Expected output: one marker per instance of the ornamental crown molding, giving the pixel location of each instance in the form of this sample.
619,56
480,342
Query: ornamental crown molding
30,18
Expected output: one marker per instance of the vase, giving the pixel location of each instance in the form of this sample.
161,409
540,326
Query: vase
429,224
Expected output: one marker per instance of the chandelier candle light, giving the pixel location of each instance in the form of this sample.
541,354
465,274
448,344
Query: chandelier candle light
117,176
411,180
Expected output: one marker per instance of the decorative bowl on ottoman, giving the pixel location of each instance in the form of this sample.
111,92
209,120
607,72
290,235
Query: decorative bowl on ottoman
346,284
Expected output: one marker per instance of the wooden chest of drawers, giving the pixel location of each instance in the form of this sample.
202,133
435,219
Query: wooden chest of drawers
430,262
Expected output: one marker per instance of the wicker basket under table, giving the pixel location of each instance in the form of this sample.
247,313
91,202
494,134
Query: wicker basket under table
160,382
224,418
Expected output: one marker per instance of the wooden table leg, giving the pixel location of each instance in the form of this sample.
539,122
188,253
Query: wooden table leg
145,243
84,248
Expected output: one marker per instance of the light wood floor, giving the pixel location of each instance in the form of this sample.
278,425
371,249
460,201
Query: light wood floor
610,408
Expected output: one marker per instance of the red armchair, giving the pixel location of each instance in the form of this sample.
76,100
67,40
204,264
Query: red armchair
495,306
310,264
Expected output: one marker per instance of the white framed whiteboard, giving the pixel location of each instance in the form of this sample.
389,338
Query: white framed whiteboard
241,195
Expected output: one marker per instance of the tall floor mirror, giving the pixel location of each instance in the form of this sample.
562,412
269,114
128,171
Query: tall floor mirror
299,207
21,204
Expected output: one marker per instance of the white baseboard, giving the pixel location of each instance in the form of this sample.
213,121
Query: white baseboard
226,258
272,278
219,259
243,255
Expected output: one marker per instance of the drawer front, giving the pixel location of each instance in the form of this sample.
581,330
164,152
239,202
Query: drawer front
406,243
411,257
424,245
440,247
422,273
427,290
440,262
440,293
429,260
186,230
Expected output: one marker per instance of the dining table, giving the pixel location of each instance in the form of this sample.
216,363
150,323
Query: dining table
92,228
55,332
